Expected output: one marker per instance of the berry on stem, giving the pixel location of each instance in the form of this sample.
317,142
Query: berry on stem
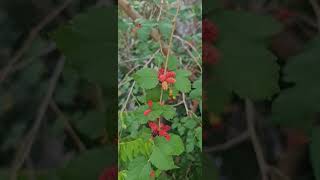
147,112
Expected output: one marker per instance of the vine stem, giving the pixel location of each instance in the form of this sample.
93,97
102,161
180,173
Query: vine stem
68,126
250,116
169,46
229,144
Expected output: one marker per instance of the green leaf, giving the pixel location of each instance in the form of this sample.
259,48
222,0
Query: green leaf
314,152
146,78
190,123
256,74
139,169
145,30
245,25
297,105
196,93
183,83
165,28
172,63
87,47
172,147
160,160
198,133
168,112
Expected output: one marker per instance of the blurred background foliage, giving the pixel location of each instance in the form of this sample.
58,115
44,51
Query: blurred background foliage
77,137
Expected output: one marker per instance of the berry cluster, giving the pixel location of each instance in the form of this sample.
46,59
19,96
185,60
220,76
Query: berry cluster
166,78
210,33
161,130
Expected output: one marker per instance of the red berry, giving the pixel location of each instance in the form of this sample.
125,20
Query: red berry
152,174
153,126
209,31
162,77
170,74
146,112
150,103
161,71
167,136
210,54
170,80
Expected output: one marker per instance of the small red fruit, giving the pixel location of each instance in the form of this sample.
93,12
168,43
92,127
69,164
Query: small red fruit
152,174
171,80
162,77
170,74
150,103
146,112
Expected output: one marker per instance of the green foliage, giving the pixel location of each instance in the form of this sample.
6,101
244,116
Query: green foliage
132,149
146,78
182,82
139,169
165,148
246,67
161,160
85,45
297,105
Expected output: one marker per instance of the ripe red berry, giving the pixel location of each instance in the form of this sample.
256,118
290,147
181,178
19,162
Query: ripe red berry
170,80
209,31
162,77
170,74
146,112
210,54
150,103
161,71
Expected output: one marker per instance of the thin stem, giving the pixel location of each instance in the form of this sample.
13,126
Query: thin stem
250,115
229,144
23,152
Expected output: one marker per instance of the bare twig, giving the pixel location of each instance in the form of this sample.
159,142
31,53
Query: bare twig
229,144
185,103
134,15
68,126
26,145
128,97
316,7
250,115
28,42
196,60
